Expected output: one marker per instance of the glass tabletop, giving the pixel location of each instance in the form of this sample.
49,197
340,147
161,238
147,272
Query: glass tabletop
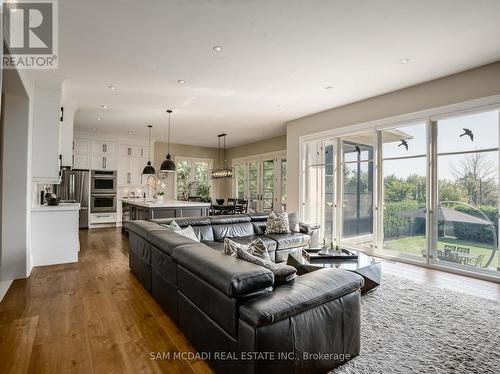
363,260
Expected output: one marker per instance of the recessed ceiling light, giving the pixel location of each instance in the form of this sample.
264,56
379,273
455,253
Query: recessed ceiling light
130,132
329,88
405,60
112,88
181,81
94,128
98,118
104,106
217,48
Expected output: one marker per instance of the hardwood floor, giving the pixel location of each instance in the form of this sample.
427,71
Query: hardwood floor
88,317
95,317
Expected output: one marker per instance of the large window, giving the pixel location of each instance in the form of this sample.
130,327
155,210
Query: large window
192,178
357,187
404,169
466,223
262,180
425,191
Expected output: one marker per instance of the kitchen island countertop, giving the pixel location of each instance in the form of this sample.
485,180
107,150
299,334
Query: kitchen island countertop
163,203
56,208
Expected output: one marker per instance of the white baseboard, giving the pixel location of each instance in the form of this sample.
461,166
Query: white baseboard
4,287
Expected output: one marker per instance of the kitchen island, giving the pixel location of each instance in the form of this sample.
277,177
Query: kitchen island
134,209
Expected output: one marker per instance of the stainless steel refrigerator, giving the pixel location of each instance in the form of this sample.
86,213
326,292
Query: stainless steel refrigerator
75,186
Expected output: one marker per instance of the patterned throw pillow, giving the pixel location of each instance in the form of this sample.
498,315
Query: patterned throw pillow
277,223
282,273
172,226
257,248
188,232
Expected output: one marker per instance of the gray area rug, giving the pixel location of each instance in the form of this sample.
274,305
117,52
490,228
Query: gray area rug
412,328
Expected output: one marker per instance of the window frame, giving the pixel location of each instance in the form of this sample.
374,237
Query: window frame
193,160
430,118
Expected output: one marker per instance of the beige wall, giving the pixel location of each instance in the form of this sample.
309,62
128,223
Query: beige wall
472,84
184,150
222,187
275,144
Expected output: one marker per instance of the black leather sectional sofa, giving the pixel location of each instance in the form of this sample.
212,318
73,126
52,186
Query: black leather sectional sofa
229,309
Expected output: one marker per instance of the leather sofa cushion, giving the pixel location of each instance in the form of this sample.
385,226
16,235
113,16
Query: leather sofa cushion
255,217
224,220
246,240
184,221
142,228
223,231
259,227
292,240
218,246
204,233
166,241
305,292
229,275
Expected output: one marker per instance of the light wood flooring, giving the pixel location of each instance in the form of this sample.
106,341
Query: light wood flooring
95,317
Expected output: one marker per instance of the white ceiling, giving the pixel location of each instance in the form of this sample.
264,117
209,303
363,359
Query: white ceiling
278,57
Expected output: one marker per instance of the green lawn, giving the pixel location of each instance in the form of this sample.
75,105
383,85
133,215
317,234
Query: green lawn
415,244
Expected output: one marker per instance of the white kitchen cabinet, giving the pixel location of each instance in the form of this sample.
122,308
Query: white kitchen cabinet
81,145
124,171
66,132
103,161
97,218
81,160
54,234
140,152
45,164
103,147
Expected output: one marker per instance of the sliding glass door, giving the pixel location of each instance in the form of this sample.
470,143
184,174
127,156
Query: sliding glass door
357,188
465,222
425,191
404,170
260,180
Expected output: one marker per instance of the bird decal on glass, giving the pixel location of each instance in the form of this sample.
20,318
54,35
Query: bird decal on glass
357,149
469,133
403,143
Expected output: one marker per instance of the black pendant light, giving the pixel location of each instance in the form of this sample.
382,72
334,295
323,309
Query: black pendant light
168,166
149,169
222,171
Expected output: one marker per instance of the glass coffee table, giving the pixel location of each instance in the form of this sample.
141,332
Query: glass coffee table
366,266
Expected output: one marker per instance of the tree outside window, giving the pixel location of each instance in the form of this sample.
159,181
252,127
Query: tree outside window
193,179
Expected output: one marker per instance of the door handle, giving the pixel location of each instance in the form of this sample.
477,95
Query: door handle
129,151
104,148
128,178
104,162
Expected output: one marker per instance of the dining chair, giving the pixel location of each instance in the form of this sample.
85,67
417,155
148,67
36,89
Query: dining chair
241,206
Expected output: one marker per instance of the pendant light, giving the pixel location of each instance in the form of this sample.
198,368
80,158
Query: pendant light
148,169
168,166
222,171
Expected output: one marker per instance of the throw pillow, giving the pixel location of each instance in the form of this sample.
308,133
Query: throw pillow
230,247
257,248
301,268
277,223
188,232
172,226
282,272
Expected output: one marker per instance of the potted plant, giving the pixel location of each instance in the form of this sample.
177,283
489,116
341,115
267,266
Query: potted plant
160,195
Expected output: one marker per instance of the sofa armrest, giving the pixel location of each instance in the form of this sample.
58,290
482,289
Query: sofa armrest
308,228
304,293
